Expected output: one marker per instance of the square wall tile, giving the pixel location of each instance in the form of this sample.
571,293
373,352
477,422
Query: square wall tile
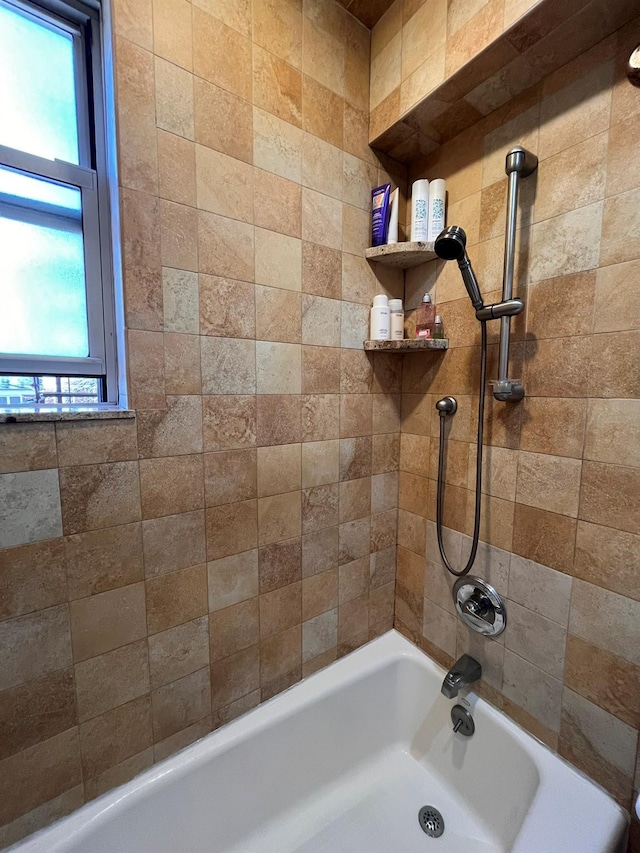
279,368
229,475
320,463
181,703
86,443
221,55
223,121
278,315
32,577
277,146
171,485
279,517
174,99
224,185
229,421
279,469
320,321
233,629
232,579
27,447
108,620
35,644
58,759
32,507
101,560
231,529
95,496
319,634
175,598
111,738
173,542
37,711
226,247
280,564
178,651
228,366
278,260
112,679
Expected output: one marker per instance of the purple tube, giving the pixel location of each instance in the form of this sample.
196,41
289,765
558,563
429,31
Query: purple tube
380,210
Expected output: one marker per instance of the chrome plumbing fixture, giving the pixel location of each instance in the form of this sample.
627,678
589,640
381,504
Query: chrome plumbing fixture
463,673
447,406
480,606
451,245
462,721
431,821
633,67
520,163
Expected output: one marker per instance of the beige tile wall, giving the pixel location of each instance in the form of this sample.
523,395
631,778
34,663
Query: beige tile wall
438,66
160,576
417,44
561,519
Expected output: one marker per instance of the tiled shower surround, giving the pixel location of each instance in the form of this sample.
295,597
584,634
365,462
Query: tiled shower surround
561,514
163,574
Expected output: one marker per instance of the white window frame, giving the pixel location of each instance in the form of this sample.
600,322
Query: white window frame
82,20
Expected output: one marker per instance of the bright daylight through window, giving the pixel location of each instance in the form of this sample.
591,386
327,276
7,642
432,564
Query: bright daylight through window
57,332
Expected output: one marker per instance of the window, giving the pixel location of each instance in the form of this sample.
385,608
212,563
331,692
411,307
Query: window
57,317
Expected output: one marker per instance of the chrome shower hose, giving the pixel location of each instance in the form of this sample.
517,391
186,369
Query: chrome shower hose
478,500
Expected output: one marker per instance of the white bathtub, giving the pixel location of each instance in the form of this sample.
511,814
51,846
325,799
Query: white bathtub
342,763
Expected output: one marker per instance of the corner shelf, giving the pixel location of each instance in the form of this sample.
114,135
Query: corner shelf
402,255
408,345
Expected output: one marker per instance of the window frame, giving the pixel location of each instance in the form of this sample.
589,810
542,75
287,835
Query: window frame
91,177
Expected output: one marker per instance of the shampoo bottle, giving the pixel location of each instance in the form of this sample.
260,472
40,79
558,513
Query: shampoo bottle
379,326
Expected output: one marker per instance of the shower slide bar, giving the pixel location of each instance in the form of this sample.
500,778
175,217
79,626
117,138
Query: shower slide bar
520,163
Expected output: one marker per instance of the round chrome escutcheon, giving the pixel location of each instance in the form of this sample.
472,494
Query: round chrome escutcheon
480,606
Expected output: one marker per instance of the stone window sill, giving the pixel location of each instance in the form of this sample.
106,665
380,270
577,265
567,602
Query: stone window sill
45,414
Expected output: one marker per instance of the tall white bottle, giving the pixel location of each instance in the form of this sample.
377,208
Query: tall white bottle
420,210
437,195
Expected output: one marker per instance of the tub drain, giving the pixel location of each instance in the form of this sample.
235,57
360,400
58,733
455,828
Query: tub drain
431,821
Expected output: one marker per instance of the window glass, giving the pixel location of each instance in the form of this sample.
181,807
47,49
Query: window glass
44,305
37,87
34,391
18,185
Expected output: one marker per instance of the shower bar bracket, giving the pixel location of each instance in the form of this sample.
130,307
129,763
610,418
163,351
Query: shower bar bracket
520,163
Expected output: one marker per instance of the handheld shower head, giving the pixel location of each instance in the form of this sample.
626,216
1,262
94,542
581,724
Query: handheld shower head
451,245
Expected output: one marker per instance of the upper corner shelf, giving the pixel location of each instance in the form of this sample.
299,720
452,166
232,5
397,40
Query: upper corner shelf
402,255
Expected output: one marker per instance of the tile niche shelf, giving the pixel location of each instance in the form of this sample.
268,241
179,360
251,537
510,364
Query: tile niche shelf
402,255
408,345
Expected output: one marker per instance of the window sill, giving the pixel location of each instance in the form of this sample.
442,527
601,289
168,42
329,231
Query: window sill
41,414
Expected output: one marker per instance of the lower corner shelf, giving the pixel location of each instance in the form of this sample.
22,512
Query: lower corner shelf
408,345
